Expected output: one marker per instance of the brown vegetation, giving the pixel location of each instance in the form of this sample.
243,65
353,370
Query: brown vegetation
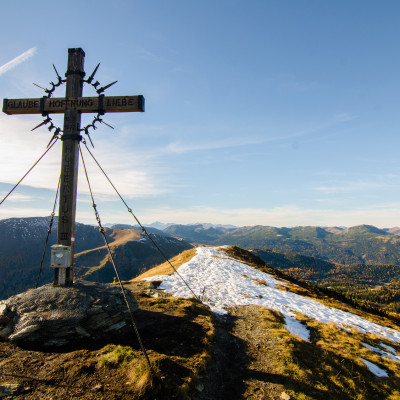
165,268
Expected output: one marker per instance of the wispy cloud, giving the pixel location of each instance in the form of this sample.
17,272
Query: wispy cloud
18,212
17,60
17,197
148,55
350,187
344,117
179,147
238,136
134,174
288,83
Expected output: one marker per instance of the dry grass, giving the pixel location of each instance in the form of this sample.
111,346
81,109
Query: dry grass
117,238
101,265
141,377
282,287
330,367
121,236
165,268
115,355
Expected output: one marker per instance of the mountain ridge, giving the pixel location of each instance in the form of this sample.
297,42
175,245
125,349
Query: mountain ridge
359,244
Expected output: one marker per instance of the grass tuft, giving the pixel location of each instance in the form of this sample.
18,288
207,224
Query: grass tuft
115,355
141,376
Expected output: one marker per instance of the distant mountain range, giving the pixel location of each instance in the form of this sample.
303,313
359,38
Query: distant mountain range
359,244
161,225
361,257
22,241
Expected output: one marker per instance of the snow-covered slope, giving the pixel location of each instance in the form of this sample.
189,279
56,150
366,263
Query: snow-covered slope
226,282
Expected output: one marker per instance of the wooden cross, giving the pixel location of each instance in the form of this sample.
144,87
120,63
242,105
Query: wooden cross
72,106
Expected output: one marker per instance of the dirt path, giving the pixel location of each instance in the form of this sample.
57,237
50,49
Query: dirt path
243,366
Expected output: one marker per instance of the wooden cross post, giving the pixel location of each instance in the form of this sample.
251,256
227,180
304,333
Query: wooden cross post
73,105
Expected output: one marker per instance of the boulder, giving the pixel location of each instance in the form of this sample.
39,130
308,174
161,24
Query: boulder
52,316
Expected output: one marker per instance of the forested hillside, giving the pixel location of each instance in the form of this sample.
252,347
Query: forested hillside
21,247
375,286
360,244
198,233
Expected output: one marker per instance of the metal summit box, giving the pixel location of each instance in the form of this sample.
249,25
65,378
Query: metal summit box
60,256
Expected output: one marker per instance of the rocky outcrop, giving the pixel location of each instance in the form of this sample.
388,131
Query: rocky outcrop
57,316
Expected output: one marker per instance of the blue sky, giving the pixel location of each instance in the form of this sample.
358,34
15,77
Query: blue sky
278,113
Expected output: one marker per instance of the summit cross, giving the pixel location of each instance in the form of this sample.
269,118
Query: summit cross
72,106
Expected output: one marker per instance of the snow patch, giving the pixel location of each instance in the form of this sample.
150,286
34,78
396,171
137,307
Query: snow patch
295,327
383,353
389,348
227,282
377,371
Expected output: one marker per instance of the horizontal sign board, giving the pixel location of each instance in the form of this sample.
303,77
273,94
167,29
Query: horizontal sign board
49,105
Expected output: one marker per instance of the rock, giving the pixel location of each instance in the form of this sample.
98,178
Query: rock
119,325
5,332
200,387
23,333
285,396
97,388
81,331
55,342
57,316
3,309
98,320
11,389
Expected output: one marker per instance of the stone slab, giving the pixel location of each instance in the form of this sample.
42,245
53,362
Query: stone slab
57,316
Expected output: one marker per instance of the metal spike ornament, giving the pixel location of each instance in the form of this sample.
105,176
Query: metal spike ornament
101,90
50,92
89,80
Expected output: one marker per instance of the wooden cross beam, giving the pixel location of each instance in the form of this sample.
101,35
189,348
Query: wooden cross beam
58,105
72,106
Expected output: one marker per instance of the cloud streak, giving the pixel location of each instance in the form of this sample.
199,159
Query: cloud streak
351,187
17,60
241,138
